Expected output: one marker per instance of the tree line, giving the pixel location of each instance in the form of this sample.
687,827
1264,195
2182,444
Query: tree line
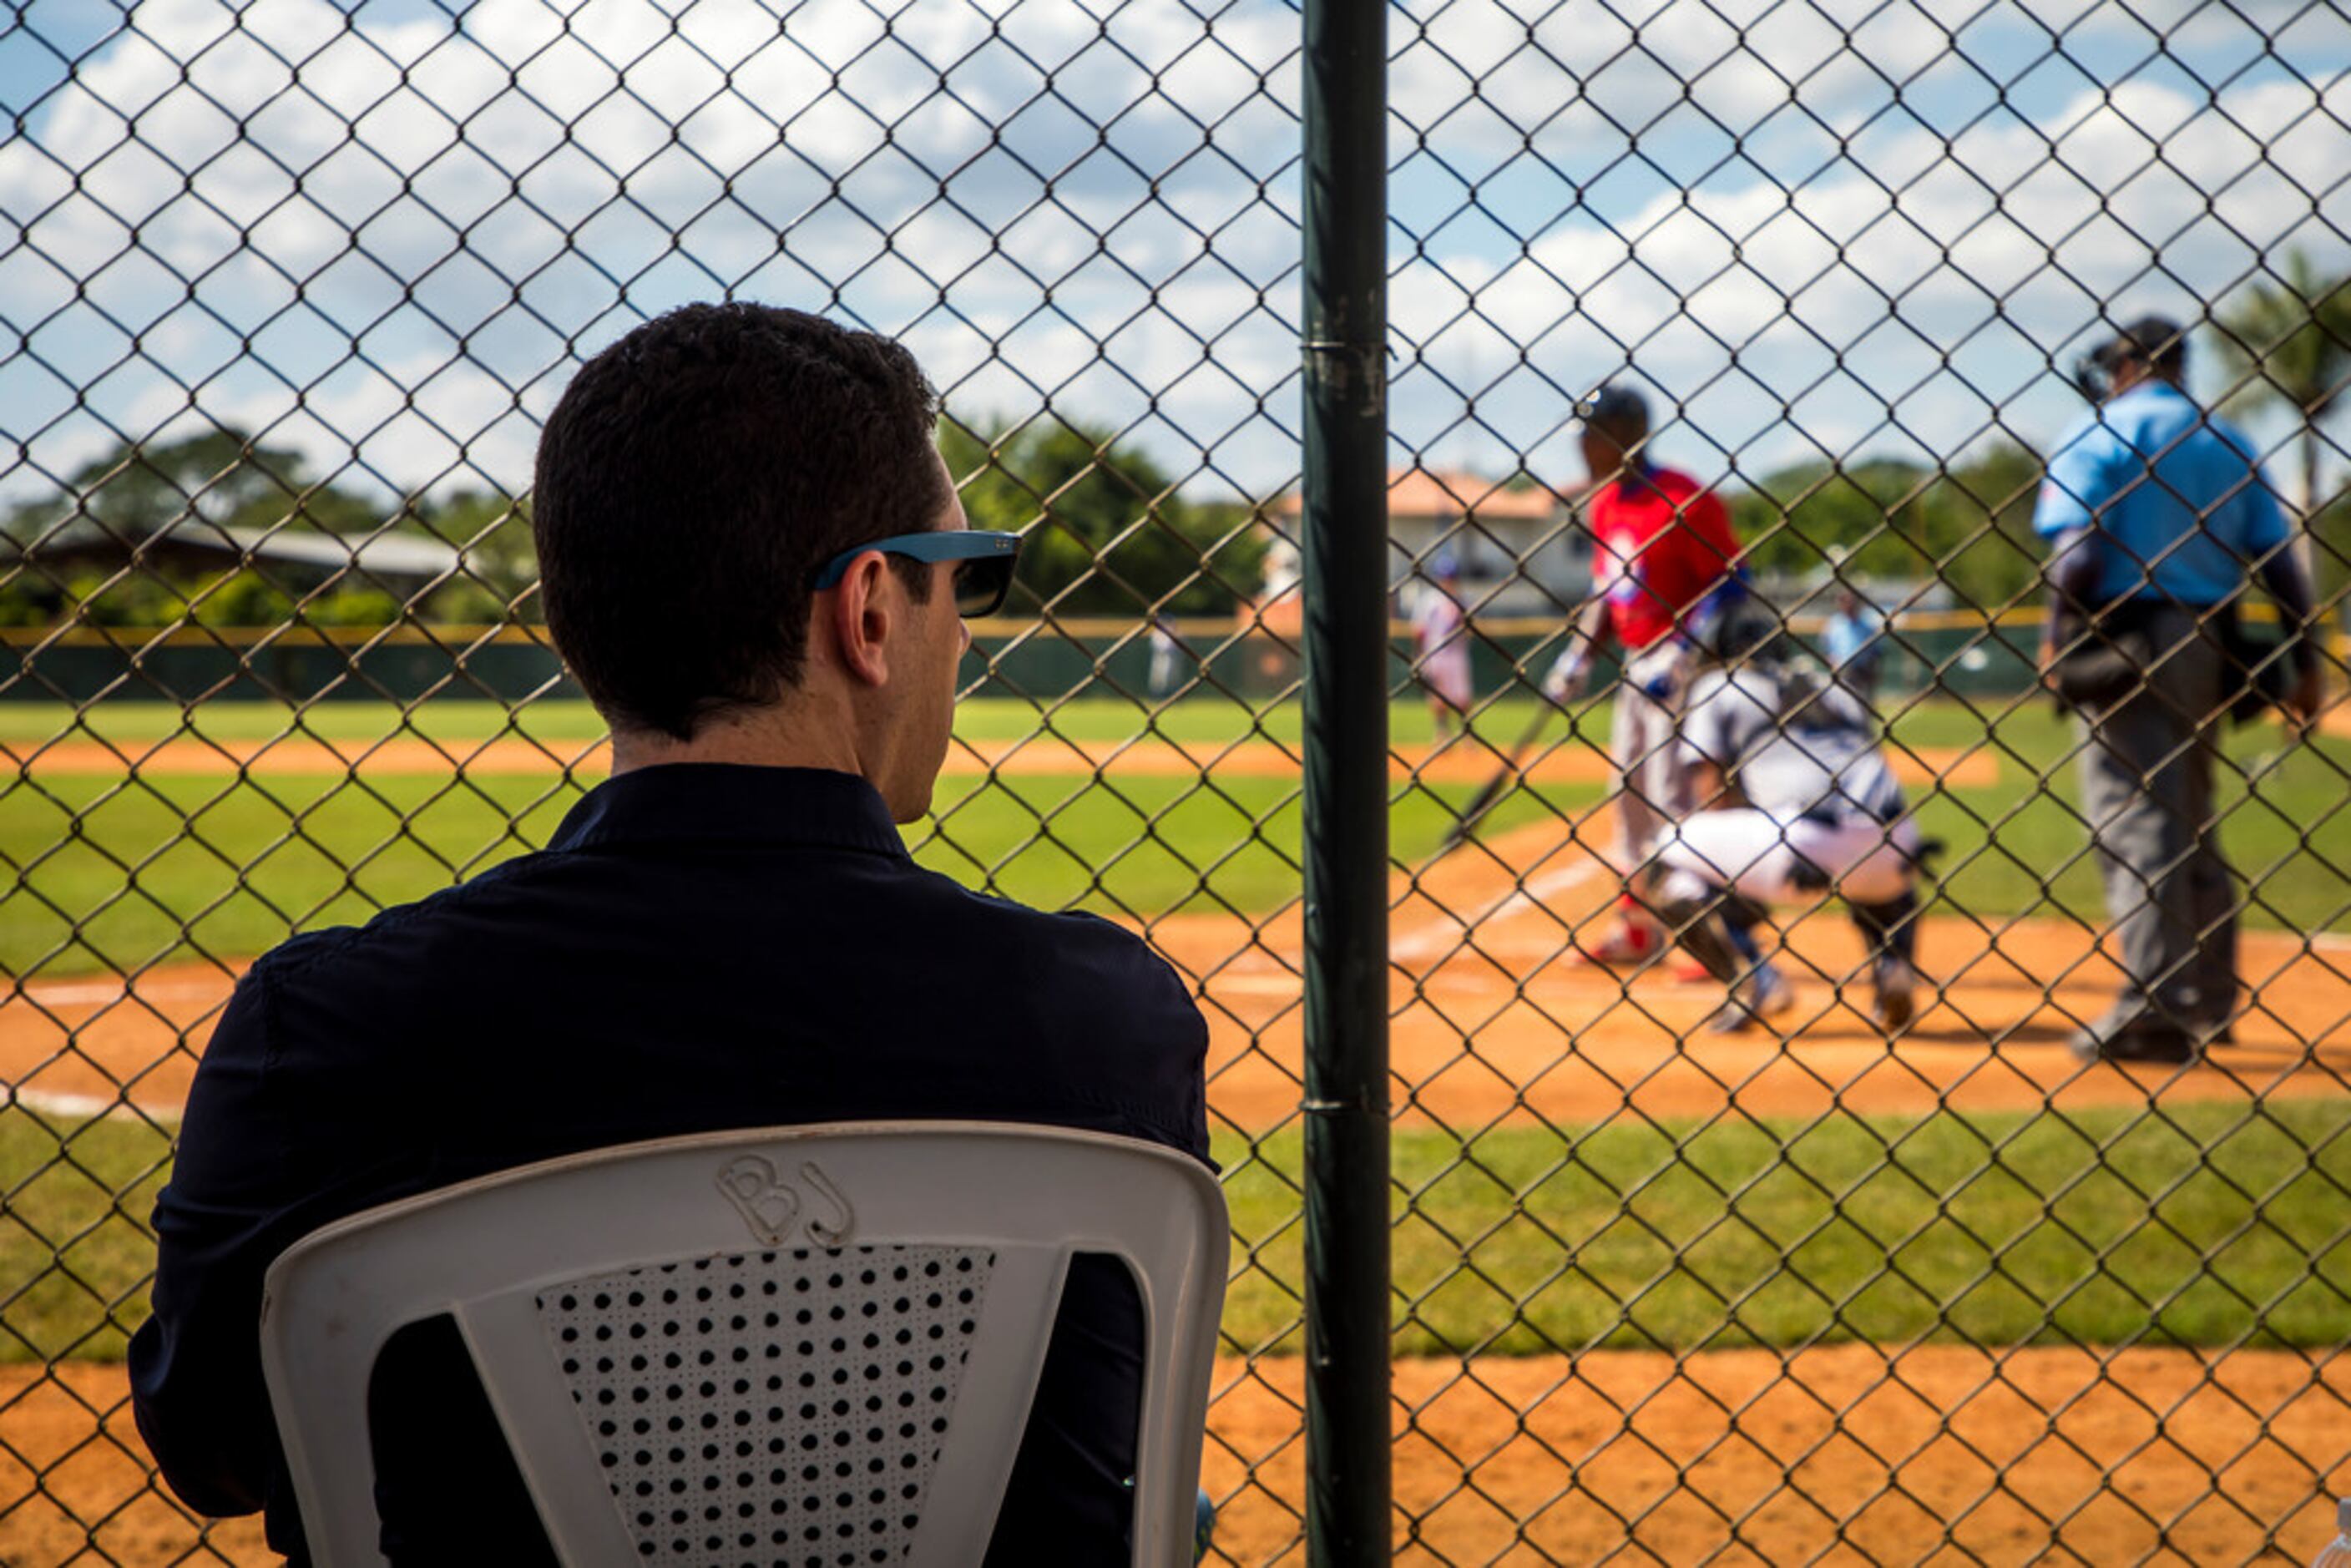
1969,524
2285,344
93,552
1110,531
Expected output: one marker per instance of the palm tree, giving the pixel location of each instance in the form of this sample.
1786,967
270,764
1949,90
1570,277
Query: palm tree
2290,345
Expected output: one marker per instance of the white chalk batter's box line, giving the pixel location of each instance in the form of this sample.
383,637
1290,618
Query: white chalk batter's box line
91,993
1447,932
85,1107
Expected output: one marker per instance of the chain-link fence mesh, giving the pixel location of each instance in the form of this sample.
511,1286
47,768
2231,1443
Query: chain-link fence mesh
287,287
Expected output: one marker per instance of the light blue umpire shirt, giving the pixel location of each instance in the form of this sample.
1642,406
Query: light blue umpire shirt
2176,494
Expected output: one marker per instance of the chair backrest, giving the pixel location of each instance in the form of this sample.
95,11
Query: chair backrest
839,1326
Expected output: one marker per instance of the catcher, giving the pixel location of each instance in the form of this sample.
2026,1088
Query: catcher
1797,805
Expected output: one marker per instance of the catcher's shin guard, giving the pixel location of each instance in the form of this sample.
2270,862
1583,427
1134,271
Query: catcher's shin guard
1888,930
1741,917
1740,913
1692,924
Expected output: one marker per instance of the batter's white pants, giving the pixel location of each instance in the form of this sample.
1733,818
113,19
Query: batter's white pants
1756,854
1653,786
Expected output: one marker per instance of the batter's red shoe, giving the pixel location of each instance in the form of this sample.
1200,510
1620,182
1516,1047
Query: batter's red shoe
1631,942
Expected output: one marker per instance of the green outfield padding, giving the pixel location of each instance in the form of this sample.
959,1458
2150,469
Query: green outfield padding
1955,654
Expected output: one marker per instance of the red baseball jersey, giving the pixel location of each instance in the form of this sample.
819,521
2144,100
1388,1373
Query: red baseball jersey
1658,544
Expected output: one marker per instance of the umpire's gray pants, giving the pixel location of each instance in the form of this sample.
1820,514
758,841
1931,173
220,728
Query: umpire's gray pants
2146,787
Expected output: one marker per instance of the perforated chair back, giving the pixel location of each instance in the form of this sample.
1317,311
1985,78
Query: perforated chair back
808,1345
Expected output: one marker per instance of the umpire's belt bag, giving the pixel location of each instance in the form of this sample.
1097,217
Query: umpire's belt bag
2110,660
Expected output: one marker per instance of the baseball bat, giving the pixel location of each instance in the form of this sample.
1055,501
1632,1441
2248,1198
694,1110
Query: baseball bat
1491,790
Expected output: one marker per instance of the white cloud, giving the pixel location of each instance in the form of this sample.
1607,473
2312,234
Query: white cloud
323,188
408,219
2023,228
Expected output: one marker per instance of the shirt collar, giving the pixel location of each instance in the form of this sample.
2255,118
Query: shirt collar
1639,475
709,802
2153,386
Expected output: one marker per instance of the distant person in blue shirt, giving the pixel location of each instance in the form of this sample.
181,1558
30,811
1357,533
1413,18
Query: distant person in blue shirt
1854,643
2158,515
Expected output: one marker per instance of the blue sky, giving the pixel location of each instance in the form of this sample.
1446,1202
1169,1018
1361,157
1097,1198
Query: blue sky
383,233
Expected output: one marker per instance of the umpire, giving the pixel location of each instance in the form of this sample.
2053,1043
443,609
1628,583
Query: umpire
2158,515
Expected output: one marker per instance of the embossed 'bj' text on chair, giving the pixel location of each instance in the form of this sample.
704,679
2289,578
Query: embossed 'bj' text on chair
799,1346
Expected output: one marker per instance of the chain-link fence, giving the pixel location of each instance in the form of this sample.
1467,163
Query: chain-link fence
1861,1260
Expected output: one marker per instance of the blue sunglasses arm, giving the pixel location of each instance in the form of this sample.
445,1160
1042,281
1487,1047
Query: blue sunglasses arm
937,544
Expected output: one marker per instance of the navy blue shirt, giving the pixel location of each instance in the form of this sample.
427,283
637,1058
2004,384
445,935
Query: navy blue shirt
700,948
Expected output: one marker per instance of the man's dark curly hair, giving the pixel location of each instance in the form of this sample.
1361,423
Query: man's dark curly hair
691,481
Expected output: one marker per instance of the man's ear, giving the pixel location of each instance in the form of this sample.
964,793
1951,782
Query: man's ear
864,609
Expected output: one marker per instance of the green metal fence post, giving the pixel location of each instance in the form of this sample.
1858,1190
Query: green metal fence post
1346,564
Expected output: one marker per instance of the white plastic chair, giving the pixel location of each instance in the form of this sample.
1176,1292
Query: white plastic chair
862,1309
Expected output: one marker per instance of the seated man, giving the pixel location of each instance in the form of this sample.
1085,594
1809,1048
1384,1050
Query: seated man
1798,804
754,560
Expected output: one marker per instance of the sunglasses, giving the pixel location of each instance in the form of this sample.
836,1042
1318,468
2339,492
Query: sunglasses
984,564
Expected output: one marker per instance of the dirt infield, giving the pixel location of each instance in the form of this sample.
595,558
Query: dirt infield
1492,1015
1494,1018
1465,762
1846,1451
1564,1042
2008,993
1740,1455
1771,1458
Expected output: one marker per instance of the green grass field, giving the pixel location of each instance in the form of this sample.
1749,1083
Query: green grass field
2021,848
2212,1224
2209,1224
2001,1228
109,873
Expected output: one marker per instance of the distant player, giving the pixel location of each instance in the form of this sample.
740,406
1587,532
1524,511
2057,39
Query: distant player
1440,638
1853,644
1166,655
1797,804
1661,546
